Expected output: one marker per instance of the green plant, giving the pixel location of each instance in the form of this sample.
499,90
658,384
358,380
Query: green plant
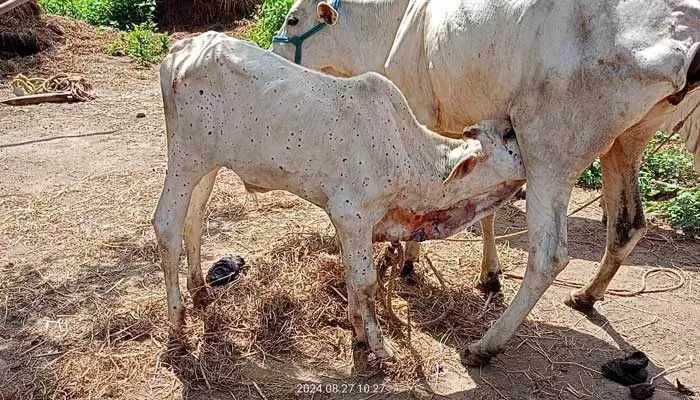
683,210
142,43
663,178
671,165
271,14
592,176
124,13
120,14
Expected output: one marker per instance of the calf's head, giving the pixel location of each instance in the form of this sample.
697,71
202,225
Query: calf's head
489,157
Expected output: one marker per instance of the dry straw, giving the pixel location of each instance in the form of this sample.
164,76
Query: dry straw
199,12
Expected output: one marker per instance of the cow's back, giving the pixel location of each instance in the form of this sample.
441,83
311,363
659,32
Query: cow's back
501,50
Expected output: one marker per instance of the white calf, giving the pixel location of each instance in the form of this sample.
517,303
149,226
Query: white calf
350,146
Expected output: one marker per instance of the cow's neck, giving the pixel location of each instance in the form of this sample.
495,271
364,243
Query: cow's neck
375,25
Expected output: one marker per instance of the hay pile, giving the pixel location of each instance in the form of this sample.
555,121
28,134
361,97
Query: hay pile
203,12
24,12
18,33
62,42
89,314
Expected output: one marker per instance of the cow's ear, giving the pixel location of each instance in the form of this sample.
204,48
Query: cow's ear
463,168
326,13
471,132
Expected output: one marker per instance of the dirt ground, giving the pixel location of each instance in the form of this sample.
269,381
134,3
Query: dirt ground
82,301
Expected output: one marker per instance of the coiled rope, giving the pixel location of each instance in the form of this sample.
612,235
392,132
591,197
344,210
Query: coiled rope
79,88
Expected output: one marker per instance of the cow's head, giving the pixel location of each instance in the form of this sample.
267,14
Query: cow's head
339,37
493,159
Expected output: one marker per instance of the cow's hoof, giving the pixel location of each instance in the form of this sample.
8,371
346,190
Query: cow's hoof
471,358
201,298
491,285
580,303
407,269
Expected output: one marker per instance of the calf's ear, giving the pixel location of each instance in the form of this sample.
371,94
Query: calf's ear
326,13
463,168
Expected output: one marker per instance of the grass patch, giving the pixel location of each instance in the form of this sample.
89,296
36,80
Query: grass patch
666,181
142,43
121,14
271,14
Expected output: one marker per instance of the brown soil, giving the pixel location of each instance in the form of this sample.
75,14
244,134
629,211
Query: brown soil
82,302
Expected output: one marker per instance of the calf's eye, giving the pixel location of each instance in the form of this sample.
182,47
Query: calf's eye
291,21
509,134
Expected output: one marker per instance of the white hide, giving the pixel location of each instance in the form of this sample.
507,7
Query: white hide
576,78
351,146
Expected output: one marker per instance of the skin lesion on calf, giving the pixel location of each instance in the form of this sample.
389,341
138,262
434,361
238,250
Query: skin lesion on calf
420,226
401,224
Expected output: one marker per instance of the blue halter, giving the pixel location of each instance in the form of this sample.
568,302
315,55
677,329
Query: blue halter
299,39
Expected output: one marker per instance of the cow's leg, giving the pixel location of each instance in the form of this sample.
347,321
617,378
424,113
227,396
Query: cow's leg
626,224
411,256
490,265
193,239
168,222
360,278
604,219
547,200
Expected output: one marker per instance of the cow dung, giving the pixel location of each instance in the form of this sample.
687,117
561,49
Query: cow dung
628,370
642,391
226,270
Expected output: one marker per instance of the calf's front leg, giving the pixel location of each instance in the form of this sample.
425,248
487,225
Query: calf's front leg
361,279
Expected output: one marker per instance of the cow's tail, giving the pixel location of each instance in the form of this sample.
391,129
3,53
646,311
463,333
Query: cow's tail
689,117
685,117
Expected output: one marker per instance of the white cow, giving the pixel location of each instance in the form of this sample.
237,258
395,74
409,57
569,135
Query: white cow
350,146
576,78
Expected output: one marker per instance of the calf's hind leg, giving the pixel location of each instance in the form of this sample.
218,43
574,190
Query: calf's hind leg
168,223
193,239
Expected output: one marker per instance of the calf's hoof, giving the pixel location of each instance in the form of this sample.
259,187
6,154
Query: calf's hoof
176,345
491,285
580,303
201,298
470,357
383,352
407,269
